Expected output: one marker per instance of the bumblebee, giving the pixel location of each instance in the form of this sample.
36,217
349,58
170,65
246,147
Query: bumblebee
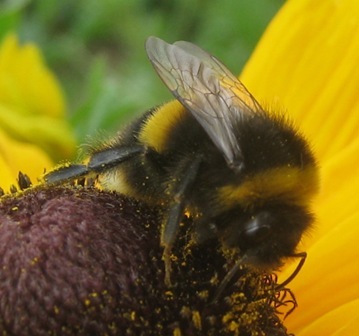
245,175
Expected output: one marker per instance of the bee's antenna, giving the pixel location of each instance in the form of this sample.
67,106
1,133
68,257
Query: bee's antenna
302,256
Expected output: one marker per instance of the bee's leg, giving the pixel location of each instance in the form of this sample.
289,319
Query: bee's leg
175,214
111,157
99,162
66,173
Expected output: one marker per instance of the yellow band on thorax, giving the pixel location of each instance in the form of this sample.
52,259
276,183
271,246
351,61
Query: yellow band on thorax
158,127
289,184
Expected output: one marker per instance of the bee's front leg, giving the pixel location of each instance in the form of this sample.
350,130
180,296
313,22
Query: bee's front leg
183,186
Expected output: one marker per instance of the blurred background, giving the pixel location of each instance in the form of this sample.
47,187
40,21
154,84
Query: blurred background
96,48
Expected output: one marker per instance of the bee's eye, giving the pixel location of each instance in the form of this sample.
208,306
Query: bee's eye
256,230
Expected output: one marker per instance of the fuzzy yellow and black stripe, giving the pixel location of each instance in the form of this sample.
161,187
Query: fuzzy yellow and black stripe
291,185
158,127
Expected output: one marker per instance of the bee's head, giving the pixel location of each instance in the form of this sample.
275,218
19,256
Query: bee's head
265,214
263,236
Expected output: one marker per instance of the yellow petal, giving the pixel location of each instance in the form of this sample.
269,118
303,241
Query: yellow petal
338,199
329,277
346,319
307,62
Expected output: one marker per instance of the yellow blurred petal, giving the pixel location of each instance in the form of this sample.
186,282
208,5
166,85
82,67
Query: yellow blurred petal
26,82
32,106
6,175
307,61
8,49
46,96
16,156
52,135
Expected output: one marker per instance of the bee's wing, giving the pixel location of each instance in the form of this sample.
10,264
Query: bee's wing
214,96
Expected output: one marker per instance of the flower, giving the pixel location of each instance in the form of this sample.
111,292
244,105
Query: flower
32,109
80,261
307,61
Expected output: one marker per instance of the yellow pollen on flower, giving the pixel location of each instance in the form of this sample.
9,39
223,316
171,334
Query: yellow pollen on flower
56,310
